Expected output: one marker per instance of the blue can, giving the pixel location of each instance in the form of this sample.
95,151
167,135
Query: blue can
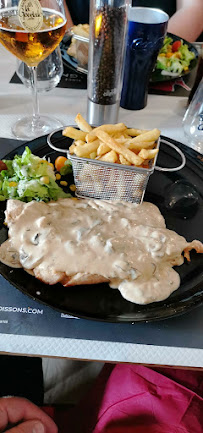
146,31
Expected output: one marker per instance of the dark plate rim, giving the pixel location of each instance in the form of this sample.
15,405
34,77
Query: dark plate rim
168,311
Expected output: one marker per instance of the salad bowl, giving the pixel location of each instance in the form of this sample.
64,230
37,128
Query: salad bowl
176,68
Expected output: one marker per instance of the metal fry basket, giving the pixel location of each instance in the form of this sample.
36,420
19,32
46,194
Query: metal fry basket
111,181
108,181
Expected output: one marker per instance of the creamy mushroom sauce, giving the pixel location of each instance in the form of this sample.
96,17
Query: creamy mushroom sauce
125,243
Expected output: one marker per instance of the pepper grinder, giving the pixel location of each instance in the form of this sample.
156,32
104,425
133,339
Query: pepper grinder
108,25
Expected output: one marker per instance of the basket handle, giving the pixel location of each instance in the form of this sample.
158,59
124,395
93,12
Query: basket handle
178,151
156,166
52,145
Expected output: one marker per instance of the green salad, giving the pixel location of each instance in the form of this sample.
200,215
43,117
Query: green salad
174,57
28,177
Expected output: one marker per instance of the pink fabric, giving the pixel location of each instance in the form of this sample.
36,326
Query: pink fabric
137,399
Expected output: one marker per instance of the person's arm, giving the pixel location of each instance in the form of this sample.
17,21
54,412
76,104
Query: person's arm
19,415
68,16
187,22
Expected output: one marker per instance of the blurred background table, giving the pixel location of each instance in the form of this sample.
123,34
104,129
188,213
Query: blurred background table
28,327
163,112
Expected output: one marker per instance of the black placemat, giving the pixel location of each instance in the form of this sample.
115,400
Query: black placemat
73,79
20,315
70,79
8,144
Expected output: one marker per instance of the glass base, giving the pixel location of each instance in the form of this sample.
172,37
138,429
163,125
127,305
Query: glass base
194,138
196,145
25,129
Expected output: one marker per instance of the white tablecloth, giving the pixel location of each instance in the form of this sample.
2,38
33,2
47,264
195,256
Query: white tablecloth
163,112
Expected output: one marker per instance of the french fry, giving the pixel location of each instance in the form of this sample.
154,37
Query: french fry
72,49
109,157
130,144
134,132
123,160
72,148
110,129
152,135
87,149
121,139
82,124
76,134
102,149
113,143
81,30
79,142
93,155
148,153
134,145
86,27
119,148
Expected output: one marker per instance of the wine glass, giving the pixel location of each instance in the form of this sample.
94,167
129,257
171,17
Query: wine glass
49,72
193,120
31,30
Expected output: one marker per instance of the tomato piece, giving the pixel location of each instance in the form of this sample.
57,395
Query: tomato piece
59,162
3,166
176,45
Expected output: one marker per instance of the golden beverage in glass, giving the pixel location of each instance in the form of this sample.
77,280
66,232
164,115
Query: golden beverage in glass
31,30
31,48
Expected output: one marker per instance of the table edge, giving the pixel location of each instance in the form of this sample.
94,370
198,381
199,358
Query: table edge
101,350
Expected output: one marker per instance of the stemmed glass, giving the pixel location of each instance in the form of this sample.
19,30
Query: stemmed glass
193,120
31,30
49,72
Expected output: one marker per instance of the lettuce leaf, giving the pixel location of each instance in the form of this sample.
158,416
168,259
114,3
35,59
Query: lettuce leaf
24,179
67,168
162,62
186,54
167,41
173,63
29,165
